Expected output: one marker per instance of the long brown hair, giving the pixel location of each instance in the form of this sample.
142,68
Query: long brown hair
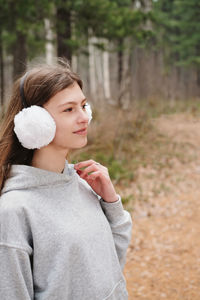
42,82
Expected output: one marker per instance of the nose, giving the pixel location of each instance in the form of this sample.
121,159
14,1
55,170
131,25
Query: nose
83,116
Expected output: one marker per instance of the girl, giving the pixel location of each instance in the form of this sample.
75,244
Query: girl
63,230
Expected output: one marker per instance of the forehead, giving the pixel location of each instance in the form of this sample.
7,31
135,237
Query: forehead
72,93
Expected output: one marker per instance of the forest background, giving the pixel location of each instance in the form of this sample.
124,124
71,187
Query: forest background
140,64
125,50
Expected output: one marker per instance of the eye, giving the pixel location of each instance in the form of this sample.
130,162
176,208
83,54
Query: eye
68,109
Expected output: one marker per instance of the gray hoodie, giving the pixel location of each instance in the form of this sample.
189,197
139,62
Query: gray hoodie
59,240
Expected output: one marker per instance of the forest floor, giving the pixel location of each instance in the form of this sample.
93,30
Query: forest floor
163,260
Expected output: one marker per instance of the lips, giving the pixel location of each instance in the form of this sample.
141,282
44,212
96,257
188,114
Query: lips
81,130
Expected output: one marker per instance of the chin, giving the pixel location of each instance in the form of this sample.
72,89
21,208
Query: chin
73,145
80,145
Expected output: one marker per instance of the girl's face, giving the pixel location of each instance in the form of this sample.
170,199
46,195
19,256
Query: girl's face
67,108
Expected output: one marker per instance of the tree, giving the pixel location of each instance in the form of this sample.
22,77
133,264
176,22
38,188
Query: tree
179,26
63,28
187,43
22,27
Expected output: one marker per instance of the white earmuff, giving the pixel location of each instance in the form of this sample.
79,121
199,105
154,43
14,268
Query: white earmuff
34,127
89,112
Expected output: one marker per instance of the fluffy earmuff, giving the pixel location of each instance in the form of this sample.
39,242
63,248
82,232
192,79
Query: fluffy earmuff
34,127
89,112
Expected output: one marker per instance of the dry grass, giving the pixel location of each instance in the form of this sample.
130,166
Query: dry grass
163,258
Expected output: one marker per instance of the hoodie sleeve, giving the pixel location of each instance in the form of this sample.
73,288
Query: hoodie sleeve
121,226
15,277
16,281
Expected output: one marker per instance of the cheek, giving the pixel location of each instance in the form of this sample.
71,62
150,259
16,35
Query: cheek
63,129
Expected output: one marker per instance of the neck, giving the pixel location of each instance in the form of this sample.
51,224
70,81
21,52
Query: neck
49,158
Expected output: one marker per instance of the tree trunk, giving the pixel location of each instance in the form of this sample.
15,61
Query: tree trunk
198,78
74,63
92,73
198,66
63,15
120,70
49,41
19,55
146,6
106,72
1,71
120,61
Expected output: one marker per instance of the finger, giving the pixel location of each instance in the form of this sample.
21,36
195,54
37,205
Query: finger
79,172
95,175
91,168
82,175
85,163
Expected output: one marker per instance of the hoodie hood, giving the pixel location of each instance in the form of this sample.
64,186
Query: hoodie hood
24,177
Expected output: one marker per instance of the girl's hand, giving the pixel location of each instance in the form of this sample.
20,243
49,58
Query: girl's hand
98,179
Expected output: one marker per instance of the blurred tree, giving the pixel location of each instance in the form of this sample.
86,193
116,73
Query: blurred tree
23,32
113,19
63,28
126,29
22,27
178,24
187,42
1,70
3,21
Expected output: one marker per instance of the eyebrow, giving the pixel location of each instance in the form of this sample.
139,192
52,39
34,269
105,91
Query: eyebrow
71,102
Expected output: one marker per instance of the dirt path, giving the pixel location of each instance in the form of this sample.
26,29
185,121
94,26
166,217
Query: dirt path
163,260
